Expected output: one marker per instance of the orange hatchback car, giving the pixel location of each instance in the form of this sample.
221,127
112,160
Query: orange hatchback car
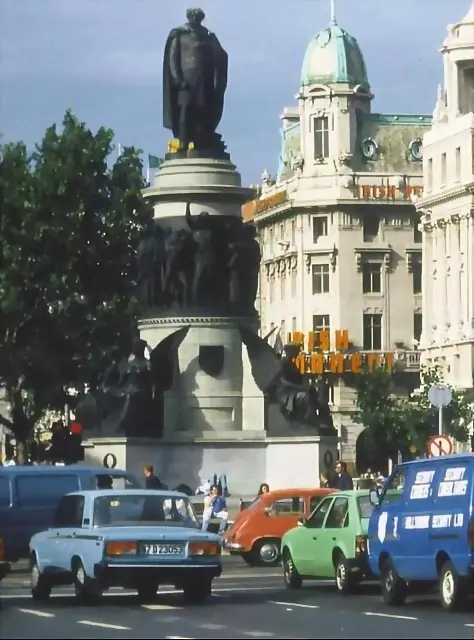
257,531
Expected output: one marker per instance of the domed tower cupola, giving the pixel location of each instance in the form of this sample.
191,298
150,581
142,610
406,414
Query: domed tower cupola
458,52
334,86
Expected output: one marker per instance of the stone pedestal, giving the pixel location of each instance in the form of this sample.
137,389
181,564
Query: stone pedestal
202,400
246,458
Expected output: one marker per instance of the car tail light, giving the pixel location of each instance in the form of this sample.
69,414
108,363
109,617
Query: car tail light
116,548
204,549
2,549
361,544
470,534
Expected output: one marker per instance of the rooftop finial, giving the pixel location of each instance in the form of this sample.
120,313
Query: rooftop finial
333,11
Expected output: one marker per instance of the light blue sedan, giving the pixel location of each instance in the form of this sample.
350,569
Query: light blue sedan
136,539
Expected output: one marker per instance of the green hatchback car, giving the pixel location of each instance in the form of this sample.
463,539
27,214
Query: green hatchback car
330,543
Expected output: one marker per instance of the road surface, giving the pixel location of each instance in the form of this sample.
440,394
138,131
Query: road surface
246,603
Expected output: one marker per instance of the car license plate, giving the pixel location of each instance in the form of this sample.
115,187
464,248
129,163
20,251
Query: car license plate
162,549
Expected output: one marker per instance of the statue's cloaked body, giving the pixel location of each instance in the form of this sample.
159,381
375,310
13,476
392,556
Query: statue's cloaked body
194,82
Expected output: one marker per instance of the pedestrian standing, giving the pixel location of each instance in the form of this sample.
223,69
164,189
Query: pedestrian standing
151,480
340,478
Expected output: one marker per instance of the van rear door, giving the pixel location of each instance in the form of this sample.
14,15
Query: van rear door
452,513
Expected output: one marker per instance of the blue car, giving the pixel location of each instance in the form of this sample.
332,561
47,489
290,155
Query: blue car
136,539
421,532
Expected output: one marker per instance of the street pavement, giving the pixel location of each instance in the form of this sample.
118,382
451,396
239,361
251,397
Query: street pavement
246,603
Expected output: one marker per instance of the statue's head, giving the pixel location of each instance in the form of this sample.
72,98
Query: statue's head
195,16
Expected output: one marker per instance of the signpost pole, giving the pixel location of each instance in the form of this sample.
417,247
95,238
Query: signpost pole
440,420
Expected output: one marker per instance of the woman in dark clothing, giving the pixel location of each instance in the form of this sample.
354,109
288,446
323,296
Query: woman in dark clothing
340,478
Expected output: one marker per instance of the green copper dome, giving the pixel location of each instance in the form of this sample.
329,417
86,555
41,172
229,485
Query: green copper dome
333,56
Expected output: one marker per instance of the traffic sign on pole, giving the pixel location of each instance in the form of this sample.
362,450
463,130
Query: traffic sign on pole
439,446
440,396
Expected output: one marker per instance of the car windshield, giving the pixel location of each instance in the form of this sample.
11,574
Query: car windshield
143,510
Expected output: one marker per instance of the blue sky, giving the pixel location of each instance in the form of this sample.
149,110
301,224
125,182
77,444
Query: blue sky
103,58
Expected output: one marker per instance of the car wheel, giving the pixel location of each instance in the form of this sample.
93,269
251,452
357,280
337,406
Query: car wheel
250,558
197,592
267,551
394,589
291,577
147,591
85,588
40,585
453,590
345,580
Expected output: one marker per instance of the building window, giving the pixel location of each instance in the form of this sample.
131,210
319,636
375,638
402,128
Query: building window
321,323
320,278
283,331
293,325
270,239
443,169
371,228
417,326
321,137
320,227
429,174
282,286
372,332
293,283
458,164
372,278
417,276
282,231
293,233
417,234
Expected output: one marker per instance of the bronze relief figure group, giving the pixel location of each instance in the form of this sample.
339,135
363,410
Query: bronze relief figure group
211,265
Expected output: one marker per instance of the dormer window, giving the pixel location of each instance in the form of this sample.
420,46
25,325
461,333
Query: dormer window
321,137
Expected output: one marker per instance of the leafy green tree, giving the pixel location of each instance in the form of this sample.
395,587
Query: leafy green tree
70,226
380,411
396,424
422,419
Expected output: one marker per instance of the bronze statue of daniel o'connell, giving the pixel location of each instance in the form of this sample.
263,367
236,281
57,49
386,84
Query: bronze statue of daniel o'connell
194,84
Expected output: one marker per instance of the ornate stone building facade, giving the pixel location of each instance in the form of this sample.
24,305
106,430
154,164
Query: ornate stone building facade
341,248
447,210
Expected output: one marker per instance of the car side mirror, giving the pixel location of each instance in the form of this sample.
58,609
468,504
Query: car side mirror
302,522
374,497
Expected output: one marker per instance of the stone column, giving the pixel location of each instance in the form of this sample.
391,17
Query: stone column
197,206
427,284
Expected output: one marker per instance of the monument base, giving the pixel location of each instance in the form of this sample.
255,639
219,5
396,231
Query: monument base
247,459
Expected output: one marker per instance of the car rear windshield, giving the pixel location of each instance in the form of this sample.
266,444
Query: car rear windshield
143,510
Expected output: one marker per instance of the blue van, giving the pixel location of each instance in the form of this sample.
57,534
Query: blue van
421,531
29,497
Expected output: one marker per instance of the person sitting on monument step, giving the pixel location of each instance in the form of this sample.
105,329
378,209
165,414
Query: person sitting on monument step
215,507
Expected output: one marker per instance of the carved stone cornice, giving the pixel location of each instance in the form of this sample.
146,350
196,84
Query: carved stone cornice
330,253
383,253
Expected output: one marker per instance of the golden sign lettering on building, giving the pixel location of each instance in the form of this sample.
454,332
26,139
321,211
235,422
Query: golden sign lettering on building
271,202
318,355
388,192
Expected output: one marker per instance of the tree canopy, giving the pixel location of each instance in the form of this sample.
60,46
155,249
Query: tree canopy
70,225
394,424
